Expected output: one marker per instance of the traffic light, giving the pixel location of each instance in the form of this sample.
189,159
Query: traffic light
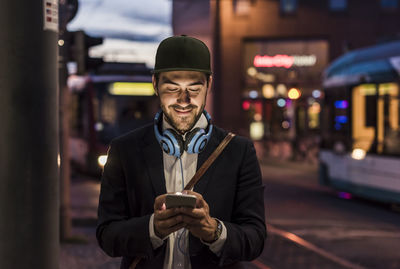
80,43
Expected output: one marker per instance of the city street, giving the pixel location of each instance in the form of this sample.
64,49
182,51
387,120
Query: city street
338,233
309,226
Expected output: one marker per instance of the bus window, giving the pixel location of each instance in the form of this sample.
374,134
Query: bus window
335,121
388,119
363,116
371,111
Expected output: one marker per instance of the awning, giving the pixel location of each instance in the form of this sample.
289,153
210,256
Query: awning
376,64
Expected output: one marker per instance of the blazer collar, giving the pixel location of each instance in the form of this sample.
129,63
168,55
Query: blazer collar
154,160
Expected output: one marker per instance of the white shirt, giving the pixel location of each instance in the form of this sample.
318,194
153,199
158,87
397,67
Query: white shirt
177,252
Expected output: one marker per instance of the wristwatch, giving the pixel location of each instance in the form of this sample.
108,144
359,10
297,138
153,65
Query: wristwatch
218,231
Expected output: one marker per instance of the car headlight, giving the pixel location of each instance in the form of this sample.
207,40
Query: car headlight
358,154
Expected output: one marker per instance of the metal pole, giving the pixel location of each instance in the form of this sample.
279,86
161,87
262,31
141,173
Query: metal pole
65,171
29,187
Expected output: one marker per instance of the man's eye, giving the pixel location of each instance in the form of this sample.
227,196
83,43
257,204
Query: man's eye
194,89
172,89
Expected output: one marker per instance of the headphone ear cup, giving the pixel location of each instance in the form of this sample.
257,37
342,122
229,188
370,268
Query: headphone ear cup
196,140
174,143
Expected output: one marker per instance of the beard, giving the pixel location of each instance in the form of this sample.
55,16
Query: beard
182,124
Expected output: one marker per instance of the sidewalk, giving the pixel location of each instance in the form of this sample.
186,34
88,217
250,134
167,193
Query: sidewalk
82,251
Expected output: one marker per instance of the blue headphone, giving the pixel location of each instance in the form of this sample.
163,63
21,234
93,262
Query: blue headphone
173,144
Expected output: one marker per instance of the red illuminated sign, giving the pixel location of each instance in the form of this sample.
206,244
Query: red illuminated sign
285,61
279,60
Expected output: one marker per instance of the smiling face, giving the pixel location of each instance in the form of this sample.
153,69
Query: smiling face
182,97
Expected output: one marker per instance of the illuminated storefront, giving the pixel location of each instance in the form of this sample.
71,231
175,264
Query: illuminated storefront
281,87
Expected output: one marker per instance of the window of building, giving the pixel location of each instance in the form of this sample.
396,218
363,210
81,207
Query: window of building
389,4
288,6
337,5
241,7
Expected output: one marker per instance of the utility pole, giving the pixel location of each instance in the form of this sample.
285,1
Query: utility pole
29,180
68,10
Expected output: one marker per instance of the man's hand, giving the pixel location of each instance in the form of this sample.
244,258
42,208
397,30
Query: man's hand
166,221
198,220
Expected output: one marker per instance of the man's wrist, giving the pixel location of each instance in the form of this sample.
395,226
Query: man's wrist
217,232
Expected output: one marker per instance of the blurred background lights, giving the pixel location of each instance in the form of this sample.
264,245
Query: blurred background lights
294,93
281,89
246,105
252,71
253,94
257,117
341,104
268,91
314,108
281,102
344,195
257,130
285,124
98,126
102,160
358,154
316,93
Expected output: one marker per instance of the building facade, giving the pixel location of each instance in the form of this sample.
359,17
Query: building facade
269,55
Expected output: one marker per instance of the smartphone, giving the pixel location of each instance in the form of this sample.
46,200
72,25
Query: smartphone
180,200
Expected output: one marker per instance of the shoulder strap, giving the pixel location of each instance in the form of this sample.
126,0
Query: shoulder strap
209,161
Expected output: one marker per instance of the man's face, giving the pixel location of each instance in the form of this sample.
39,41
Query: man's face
182,96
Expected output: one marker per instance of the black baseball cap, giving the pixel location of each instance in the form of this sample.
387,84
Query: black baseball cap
182,53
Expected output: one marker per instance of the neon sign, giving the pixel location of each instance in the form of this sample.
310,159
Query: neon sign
285,61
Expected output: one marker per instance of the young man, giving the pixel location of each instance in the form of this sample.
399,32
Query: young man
227,224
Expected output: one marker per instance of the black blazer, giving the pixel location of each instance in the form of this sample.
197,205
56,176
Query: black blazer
134,176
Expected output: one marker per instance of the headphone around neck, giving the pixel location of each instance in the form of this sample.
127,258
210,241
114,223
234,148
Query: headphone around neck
173,144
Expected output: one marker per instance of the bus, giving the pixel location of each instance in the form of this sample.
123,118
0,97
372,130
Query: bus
360,134
103,107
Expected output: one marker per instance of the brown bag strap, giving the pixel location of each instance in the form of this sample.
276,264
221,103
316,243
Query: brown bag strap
198,175
209,161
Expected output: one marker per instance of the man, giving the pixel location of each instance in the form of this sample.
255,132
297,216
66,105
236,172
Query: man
227,224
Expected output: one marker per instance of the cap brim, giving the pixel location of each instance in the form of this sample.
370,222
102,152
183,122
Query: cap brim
156,71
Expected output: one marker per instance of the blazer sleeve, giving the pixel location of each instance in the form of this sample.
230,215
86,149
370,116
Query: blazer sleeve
246,231
118,233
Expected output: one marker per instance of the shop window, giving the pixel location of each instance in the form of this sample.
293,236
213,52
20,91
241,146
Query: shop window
313,115
389,4
288,6
338,5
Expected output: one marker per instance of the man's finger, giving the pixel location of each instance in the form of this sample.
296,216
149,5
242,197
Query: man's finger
170,222
197,213
159,201
165,214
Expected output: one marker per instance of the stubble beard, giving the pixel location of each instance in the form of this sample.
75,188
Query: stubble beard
182,124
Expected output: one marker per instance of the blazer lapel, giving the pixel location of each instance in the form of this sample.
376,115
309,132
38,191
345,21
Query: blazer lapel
201,185
154,161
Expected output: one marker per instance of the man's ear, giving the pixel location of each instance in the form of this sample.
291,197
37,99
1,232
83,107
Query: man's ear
153,80
210,83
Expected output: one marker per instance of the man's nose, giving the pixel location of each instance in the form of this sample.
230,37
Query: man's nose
184,96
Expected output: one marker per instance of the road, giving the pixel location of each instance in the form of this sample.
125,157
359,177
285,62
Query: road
311,227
